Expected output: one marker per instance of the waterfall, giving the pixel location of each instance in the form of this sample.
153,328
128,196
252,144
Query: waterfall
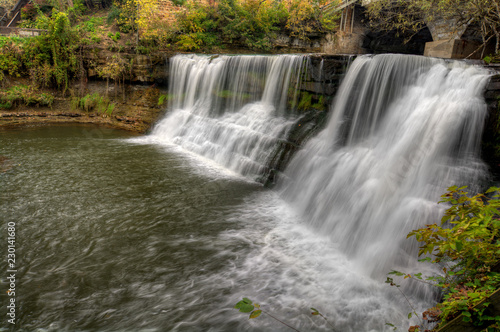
231,109
401,131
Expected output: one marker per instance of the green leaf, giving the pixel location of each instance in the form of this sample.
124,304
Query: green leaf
246,307
255,314
459,245
409,315
247,300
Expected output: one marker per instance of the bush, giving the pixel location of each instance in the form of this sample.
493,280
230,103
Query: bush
114,36
51,58
93,102
467,247
113,14
127,17
10,57
26,95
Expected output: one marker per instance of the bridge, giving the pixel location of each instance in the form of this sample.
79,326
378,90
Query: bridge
448,39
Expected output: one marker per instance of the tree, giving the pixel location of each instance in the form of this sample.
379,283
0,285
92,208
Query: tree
306,17
410,16
51,58
251,23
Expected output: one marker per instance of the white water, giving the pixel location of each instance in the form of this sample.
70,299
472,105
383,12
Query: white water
401,131
230,109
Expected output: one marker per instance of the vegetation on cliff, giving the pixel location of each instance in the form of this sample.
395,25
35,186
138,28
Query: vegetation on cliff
250,23
76,31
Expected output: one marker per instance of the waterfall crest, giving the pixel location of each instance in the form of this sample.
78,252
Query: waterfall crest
231,109
402,130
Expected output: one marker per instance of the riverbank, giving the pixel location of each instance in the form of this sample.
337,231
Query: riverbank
136,109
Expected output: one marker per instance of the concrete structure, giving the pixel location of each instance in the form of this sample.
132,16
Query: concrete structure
21,32
449,39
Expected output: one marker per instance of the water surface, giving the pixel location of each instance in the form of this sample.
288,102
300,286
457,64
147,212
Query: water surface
117,233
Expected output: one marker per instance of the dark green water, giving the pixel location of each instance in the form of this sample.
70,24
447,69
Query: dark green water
110,234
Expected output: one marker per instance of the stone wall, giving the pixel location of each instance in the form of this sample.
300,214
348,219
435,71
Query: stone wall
491,133
144,68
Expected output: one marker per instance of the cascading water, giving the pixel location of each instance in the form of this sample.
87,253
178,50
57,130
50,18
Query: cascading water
230,109
402,130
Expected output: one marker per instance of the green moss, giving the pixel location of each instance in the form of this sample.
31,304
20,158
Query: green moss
305,102
320,104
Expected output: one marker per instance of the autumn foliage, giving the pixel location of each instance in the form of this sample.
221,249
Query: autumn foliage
201,25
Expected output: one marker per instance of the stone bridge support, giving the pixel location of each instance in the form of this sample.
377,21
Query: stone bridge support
450,41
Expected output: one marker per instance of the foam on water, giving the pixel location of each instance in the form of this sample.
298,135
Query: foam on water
287,267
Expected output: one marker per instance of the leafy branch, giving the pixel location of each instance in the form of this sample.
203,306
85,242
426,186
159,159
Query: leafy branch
247,306
469,240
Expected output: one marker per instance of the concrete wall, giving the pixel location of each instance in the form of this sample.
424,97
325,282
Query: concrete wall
452,49
21,32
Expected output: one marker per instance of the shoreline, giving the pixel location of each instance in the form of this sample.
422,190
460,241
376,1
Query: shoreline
21,118
130,116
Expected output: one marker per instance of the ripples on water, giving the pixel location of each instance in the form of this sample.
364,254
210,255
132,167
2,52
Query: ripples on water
119,236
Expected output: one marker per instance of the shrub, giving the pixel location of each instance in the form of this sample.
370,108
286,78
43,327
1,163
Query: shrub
467,246
51,58
93,102
26,95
